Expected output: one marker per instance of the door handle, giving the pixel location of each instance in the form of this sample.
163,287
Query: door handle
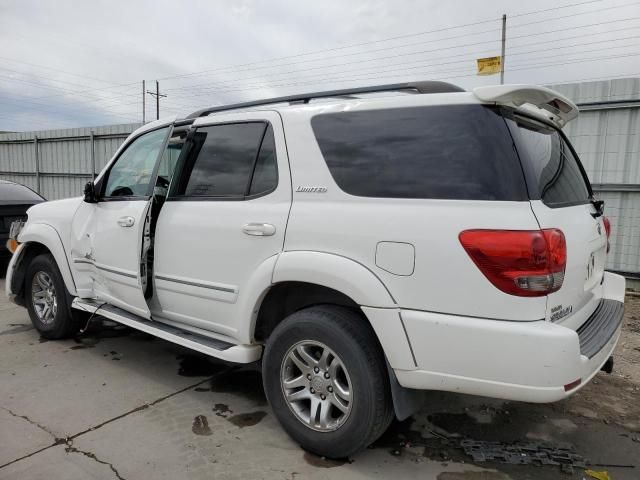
259,229
126,221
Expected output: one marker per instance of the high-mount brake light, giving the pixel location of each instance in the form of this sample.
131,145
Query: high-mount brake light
526,263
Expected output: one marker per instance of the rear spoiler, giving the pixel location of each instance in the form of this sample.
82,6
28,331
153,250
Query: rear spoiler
539,101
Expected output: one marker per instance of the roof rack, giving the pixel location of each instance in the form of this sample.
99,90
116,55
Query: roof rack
418,87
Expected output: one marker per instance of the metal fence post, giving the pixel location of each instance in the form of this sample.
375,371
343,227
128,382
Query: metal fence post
37,158
93,154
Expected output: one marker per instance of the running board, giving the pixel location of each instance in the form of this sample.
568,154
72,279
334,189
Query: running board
200,343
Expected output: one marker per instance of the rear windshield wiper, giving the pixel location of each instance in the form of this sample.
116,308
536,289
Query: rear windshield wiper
599,204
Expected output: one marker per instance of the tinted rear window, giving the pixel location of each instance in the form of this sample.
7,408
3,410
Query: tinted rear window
553,171
460,152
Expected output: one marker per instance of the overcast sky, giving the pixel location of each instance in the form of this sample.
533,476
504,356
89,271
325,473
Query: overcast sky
81,63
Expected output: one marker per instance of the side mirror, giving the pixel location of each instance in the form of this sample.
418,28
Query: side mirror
90,193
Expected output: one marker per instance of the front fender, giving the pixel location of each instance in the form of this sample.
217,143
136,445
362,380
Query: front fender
46,235
336,272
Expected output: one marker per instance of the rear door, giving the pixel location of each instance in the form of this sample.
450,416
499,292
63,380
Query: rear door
561,198
223,224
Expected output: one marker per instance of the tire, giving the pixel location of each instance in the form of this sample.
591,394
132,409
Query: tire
361,367
45,281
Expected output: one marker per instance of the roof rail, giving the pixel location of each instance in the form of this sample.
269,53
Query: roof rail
428,86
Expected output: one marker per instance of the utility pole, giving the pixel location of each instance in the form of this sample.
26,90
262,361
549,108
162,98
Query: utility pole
504,41
157,96
144,110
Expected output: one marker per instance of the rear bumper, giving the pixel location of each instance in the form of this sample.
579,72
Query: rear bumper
526,361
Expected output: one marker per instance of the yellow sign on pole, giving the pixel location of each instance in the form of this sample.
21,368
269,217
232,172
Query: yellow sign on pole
489,65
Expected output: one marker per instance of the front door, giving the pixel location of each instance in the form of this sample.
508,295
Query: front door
107,236
223,222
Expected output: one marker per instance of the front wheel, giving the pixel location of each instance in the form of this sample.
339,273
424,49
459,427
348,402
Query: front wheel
326,380
47,300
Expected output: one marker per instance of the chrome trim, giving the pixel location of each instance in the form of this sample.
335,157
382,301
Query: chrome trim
82,260
106,269
195,284
130,275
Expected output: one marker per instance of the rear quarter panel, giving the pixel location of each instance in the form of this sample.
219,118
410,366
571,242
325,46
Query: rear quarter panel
444,278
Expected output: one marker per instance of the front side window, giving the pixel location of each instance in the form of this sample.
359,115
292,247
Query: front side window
456,152
133,171
554,172
230,161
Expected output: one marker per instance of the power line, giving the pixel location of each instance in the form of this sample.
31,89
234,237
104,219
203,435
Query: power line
91,90
572,15
419,33
65,109
465,35
343,47
402,66
209,86
519,67
30,74
609,48
369,77
405,54
32,101
53,69
92,99
552,9
397,67
209,89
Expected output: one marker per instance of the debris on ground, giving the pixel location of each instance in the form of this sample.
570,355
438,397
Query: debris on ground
524,453
603,475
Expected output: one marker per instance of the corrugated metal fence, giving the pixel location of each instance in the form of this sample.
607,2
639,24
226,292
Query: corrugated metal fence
57,163
607,138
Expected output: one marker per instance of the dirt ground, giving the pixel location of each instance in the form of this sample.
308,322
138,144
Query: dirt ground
615,398
115,403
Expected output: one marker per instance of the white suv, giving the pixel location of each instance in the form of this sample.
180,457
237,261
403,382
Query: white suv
367,244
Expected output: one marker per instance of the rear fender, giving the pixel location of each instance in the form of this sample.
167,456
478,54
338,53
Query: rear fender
337,272
362,286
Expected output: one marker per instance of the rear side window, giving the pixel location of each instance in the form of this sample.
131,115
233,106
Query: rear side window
265,175
553,171
230,161
462,152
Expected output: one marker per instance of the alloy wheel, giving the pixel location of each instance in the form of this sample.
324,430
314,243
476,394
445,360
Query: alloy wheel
316,386
43,297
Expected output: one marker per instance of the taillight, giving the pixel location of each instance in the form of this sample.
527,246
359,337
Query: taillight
527,263
607,229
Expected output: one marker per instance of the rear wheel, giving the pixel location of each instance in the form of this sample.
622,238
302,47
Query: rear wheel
47,299
326,380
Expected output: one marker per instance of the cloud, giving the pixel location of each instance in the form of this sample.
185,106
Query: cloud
79,63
